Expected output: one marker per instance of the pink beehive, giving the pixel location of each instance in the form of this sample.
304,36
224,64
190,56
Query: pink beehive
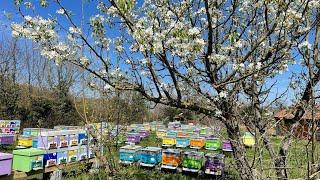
5,163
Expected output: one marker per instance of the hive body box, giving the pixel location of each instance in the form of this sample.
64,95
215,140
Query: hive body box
50,158
73,138
6,138
73,154
248,139
144,133
168,141
197,142
25,141
129,154
67,127
183,133
172,133
10,126
150,156
48,140
182,141
192,161
35,142
26,160
83,138
161,133
33,131
214,164
62,156
63,141
213,143
5,164
171,158
82,153
133,138
226,146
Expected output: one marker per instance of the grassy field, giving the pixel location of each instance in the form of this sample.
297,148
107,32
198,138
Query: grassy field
259,158
136,172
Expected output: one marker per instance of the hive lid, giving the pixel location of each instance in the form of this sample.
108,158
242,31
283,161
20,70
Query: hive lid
28,152
5,135
133,134
216,155
131,147
152,149
5,156
175,151
194,153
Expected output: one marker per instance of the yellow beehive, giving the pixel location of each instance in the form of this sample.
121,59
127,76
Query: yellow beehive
25,141
168,141
161,133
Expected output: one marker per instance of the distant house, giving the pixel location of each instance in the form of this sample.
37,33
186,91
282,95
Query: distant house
285,117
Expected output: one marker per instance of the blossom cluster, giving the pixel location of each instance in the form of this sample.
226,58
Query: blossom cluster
35,28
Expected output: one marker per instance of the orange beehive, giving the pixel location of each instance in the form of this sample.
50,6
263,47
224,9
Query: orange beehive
182,133
197,143
171,158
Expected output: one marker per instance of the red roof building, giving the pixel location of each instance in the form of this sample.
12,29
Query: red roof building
285,117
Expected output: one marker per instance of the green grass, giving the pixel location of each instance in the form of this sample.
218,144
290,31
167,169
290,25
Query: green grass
136,172
259,158
296,161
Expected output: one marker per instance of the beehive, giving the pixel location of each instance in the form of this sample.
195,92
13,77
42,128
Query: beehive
62,156
63,141
50,158
73,138
26,160
82,153
82,137
25,141
48,140
5,164
73,154
6,138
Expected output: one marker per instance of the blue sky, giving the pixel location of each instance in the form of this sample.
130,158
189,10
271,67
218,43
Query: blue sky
90,9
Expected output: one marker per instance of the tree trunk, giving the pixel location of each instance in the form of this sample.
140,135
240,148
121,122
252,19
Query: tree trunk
278,159
239,152
280,162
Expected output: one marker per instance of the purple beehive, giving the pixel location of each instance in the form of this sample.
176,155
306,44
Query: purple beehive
143,133
226,146
133,138
5,164
214,164
6,138
63,141
48,140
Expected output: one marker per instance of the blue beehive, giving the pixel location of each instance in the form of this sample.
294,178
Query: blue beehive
35,142
50,158
172,133
83,138
182,141
150,156
129,154
62,156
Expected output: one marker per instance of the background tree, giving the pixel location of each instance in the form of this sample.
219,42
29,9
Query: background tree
204,56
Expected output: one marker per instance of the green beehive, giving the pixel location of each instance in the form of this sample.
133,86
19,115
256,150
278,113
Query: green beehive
26,160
